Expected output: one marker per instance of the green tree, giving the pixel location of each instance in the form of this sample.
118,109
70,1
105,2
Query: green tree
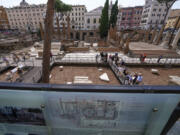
114,13
62,7
104,21
169,4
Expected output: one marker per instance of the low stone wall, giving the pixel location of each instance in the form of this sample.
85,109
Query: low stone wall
107,49
78,49
102,43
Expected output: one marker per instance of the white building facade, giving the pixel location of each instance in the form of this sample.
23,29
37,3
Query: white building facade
25,16
92,19
28,17
77,17
153,14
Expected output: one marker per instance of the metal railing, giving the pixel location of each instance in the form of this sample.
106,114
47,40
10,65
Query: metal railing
116,71
70,59
75,109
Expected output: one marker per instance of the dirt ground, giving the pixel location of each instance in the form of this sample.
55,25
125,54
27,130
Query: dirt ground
3,77
68,73
161,79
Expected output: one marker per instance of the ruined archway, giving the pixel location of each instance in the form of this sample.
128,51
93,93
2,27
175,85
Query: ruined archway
84,35
77,36
72,35
91,34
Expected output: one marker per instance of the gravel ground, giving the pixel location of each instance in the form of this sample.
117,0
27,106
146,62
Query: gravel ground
68,73
3,77
161,79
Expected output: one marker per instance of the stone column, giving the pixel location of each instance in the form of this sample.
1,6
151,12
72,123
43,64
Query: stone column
41,30
160,35
64,31
147,34
141,35
80,35
176,39
166,40
153,35
58,28
126,49
68,27
120,37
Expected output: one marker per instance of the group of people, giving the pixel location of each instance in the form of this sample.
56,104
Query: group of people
144,56
129,78
105,57
133,79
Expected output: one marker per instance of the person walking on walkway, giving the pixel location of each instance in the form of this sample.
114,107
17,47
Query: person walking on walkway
160,57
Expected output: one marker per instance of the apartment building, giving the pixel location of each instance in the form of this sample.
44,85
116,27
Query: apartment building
92,19
172,19
25,16
129,17
4,23
77,17
153,14
28,17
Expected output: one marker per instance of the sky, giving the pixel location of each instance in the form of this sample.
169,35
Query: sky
90,4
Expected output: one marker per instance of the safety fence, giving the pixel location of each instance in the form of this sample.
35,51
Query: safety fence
77,59
117,72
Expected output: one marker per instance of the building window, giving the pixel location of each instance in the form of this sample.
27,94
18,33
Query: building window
94,20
